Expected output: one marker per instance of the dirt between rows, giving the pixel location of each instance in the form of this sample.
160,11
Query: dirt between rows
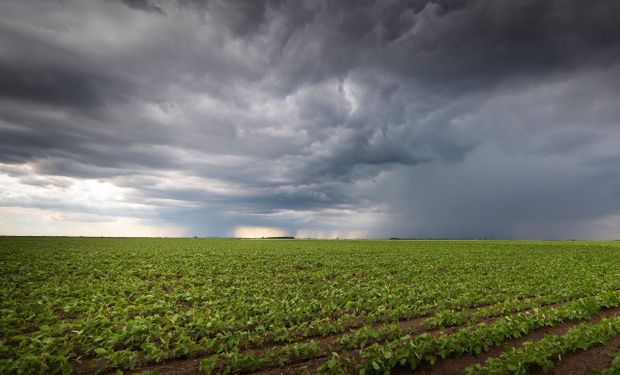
584,361
191,366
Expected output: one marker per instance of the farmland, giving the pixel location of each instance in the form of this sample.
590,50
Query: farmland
185,306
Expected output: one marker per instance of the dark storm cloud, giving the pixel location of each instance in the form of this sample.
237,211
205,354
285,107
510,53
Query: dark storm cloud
48,86
242,111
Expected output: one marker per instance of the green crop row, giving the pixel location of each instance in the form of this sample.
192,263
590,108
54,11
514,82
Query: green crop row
411,351
546,352
230,362
451,317
358,339
129,303
234,361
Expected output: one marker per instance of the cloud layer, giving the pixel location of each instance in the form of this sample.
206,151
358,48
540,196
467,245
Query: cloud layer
426,118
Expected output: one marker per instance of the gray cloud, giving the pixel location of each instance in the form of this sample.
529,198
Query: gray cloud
431,118
145,5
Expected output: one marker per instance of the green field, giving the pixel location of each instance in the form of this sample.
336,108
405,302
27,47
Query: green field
90,305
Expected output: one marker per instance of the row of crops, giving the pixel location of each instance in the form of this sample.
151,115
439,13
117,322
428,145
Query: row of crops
97,305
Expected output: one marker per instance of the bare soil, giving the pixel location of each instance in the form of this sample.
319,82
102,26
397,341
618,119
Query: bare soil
584,361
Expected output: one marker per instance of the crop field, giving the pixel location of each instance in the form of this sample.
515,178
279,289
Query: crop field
214,306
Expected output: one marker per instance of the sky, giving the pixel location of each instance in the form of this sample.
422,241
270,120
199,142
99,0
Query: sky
323,119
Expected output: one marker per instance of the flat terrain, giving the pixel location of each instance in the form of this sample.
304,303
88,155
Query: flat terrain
186,306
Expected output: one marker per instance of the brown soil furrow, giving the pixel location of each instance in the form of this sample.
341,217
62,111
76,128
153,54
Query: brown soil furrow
584,361
453,366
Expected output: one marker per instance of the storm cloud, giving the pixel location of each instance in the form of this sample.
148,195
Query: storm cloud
423,118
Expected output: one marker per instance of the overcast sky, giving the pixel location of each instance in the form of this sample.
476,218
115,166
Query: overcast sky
428,119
